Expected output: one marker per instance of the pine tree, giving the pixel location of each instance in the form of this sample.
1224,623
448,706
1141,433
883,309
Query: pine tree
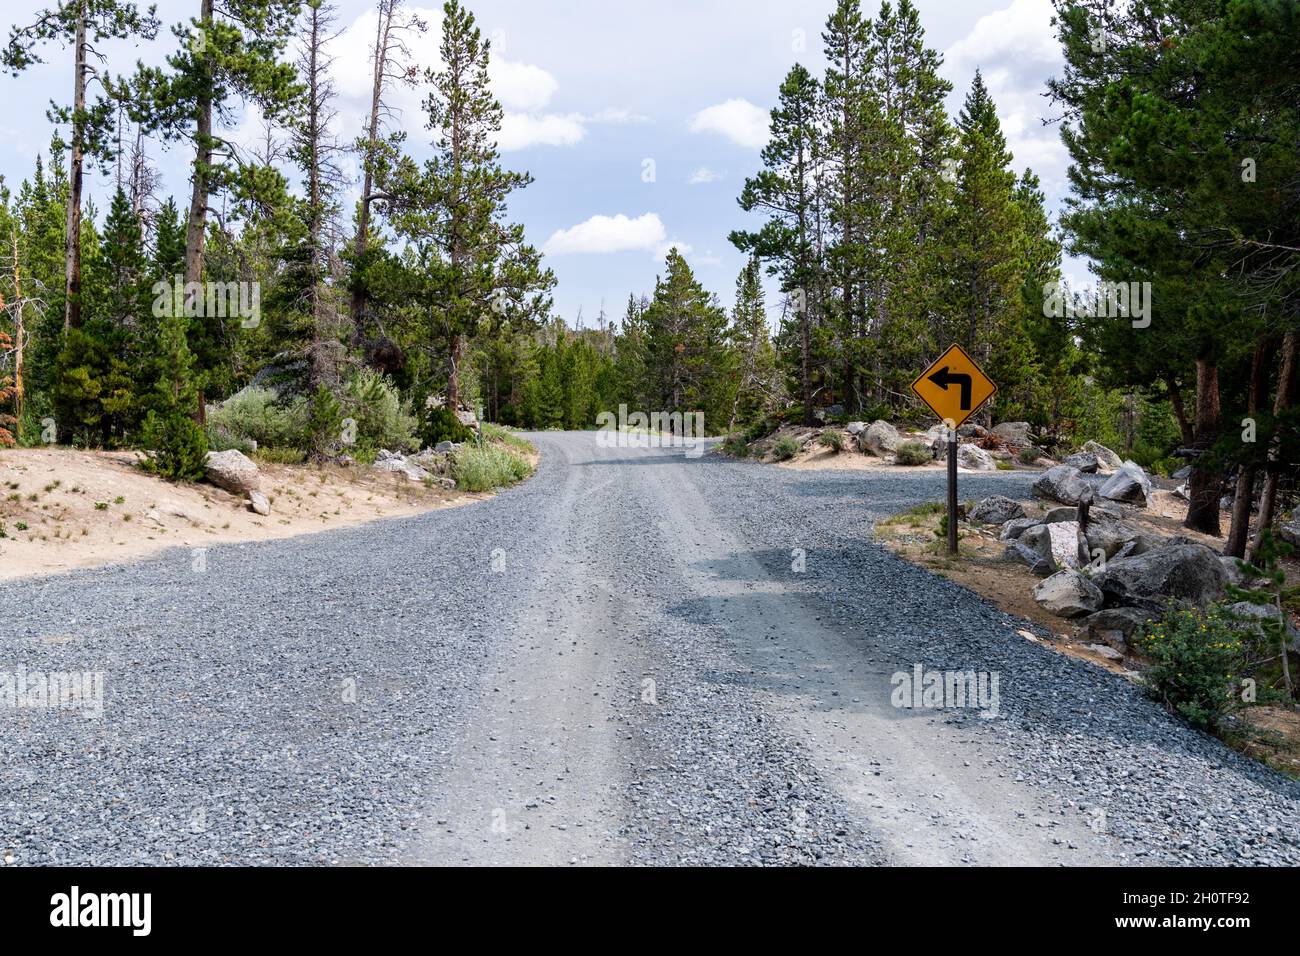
687,360
477,269
86,25
755,385
784,192
176,442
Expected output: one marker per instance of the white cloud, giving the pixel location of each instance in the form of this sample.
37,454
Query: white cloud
524,89
601,234
739,120
1016,50
661,251
702,176
521,86
521,130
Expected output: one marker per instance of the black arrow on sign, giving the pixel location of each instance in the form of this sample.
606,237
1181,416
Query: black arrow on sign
943,378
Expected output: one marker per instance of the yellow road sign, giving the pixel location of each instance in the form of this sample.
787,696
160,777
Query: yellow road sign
954,386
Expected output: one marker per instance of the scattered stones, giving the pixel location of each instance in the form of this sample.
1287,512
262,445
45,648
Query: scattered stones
233,471
258,503
1068,593
996,509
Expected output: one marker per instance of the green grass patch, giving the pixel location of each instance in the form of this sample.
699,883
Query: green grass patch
785,449
489,467
499,433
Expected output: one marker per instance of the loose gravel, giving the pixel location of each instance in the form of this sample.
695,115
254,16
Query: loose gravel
323,699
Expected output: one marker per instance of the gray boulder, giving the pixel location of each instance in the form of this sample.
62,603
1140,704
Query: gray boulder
1019,551
1185,572
1013,433
258,503
1068,594
1255,616
1289,530
996,509
1107,460
1110,536
1116,626
1232,571
974,458
880,438
971,430
1085,461
233,471
1129,484
1059,544
1062,483
854,427
1016,527
399,465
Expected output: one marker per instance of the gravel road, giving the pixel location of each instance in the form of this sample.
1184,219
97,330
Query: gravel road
634,657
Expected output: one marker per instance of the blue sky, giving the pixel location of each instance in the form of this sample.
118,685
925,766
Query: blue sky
639,121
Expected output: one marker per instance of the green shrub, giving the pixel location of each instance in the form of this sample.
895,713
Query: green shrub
913,453
1004,465
323,436
736,446
220,439
832,439
1029,454
439,425
382,419
178,446
482,469
757,430
256,414
1195,658
785,449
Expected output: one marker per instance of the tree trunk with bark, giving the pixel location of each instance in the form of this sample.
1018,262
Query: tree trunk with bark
1286,386
357,304
72,241
1203,509
1239,531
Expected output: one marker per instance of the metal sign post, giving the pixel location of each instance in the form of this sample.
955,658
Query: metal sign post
954,387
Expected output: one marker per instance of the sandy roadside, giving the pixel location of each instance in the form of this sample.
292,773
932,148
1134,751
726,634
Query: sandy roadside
62,509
